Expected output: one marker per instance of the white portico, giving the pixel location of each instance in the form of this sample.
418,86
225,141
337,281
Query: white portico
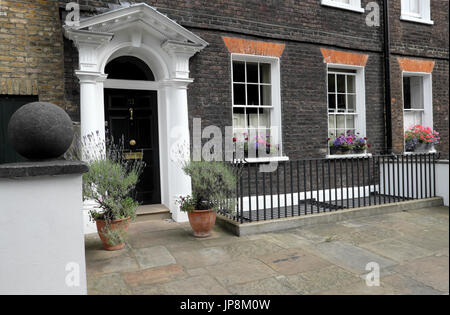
166,47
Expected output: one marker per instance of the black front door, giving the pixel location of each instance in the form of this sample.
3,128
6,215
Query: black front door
133,116
8,106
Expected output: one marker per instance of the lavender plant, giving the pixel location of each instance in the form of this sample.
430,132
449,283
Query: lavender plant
110,181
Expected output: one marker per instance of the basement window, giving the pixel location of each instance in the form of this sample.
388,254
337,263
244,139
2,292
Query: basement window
352,5
416,11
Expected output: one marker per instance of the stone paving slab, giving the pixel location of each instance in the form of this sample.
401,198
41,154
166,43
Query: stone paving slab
293,262
397,250
156,256
350,257
241,271
163,257
315,281
432,271
270,286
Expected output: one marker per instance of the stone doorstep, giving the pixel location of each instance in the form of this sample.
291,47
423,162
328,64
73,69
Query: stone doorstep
323,218
152,212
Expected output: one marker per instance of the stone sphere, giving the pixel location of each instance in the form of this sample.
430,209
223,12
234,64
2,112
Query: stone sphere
40,131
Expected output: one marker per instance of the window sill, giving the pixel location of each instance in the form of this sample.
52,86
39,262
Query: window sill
330,3
267,159
348,156
415,20
417,153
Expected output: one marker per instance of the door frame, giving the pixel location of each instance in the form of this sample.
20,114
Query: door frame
144,86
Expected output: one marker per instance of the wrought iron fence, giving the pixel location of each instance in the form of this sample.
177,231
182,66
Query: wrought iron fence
314,186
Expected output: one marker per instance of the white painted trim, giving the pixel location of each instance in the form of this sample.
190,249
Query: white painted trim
286,200
360,97
348,156
409,18
355,5
427,82
267,159
132,85
424,16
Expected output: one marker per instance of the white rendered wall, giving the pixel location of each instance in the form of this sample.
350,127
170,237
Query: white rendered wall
416,187
41,234
442,180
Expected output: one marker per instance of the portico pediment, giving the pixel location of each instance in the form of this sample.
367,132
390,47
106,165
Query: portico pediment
136,28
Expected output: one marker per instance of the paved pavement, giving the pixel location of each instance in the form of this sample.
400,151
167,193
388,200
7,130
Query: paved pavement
162,257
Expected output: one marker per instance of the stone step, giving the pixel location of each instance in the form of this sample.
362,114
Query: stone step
152,212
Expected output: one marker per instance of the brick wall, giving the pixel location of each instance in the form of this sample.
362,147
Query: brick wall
31,50
304,27
303,94
428,43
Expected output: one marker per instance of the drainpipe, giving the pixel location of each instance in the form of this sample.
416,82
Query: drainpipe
387,80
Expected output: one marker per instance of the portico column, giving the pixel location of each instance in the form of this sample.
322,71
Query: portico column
92,113
179,184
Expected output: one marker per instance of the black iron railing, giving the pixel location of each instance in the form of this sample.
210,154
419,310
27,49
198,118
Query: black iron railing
313,186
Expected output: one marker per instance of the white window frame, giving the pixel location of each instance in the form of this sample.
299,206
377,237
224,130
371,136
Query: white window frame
360,87
424,15
354,5
275,113
427,85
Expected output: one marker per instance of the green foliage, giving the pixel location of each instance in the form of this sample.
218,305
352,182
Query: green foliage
114,236
111,178
187,204
213,183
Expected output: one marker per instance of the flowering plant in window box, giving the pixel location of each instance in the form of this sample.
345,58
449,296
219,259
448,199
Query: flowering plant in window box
421,139
257,143
348,143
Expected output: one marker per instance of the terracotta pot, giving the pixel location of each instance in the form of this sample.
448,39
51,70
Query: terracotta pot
114,225
202,222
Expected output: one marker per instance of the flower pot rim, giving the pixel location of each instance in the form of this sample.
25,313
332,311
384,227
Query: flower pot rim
114,221
209,210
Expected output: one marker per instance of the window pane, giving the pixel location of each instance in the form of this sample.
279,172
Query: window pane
350,122
414,6
266,95
238,71
341,83
331,83
239,118
331,124
264,118
252,94
265,73
252,72
416,92
341,102
239,94
340,121
406,93
252,117
351,84
351,103
332,102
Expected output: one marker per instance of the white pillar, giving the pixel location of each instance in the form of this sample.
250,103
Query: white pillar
92,112
179,184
